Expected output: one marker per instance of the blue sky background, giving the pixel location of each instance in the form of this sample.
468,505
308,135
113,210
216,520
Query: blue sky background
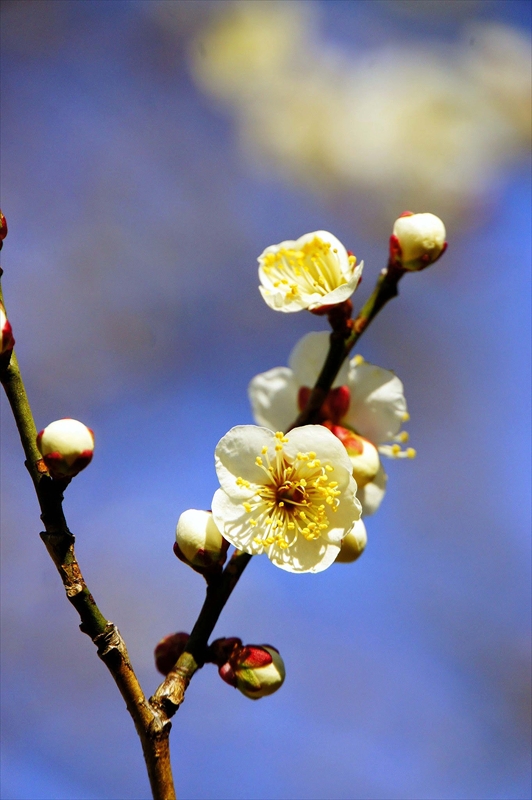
130,281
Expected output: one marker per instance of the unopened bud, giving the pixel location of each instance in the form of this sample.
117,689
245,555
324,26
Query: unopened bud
3,228
168,651
255,670
199,543
353,545
6,336
418,240
363,454
66,446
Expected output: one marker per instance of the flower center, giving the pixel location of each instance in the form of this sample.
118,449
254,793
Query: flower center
291,494
314,268
294,499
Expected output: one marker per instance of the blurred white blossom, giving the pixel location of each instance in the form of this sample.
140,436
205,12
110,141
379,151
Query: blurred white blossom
410,125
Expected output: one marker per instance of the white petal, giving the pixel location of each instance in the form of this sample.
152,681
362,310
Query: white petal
377,406
326,445
342,292
372,493
344,518
235,456
304,556
276,300
233,522
308,356
273,397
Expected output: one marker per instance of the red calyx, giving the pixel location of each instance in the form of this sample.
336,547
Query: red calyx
221,650
334,407
226,674
252,656
396,254
350,440
3,228
168,651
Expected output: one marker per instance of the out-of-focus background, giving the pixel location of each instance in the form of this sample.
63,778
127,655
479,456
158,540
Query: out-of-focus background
150,151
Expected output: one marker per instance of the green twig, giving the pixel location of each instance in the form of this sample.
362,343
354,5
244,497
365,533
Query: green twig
152,726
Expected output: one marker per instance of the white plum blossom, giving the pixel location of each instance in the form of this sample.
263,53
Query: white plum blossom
312,271
418,240
365,408
290,496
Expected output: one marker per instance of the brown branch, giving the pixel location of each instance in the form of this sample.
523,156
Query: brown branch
152,725
171,692
344,339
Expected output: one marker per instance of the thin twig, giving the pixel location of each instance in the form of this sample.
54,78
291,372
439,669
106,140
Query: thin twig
342,342
171,692
153,727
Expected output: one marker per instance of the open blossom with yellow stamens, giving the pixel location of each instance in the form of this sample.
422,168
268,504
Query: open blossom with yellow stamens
365,409
290,496
312,271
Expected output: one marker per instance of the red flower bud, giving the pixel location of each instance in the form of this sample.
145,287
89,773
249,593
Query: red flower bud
168,651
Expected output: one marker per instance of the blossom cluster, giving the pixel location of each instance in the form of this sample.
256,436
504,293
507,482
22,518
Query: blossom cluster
298,493
426,125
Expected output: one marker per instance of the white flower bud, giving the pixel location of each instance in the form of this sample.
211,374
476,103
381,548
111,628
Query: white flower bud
66,446
417,240
199,543
353,545
6,334
363,454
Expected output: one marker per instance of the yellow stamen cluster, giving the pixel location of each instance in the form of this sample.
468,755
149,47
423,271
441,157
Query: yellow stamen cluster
313,268
294,498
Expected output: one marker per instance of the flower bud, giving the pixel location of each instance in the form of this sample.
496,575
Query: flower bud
66,446
418,240
6,335
199,543
3,229
255,670
168,651
353,545
363,454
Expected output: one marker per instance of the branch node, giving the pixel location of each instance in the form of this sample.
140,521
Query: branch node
73,579
109,640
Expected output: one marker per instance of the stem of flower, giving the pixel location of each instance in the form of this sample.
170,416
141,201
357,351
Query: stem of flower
152,726
341,343
171,692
